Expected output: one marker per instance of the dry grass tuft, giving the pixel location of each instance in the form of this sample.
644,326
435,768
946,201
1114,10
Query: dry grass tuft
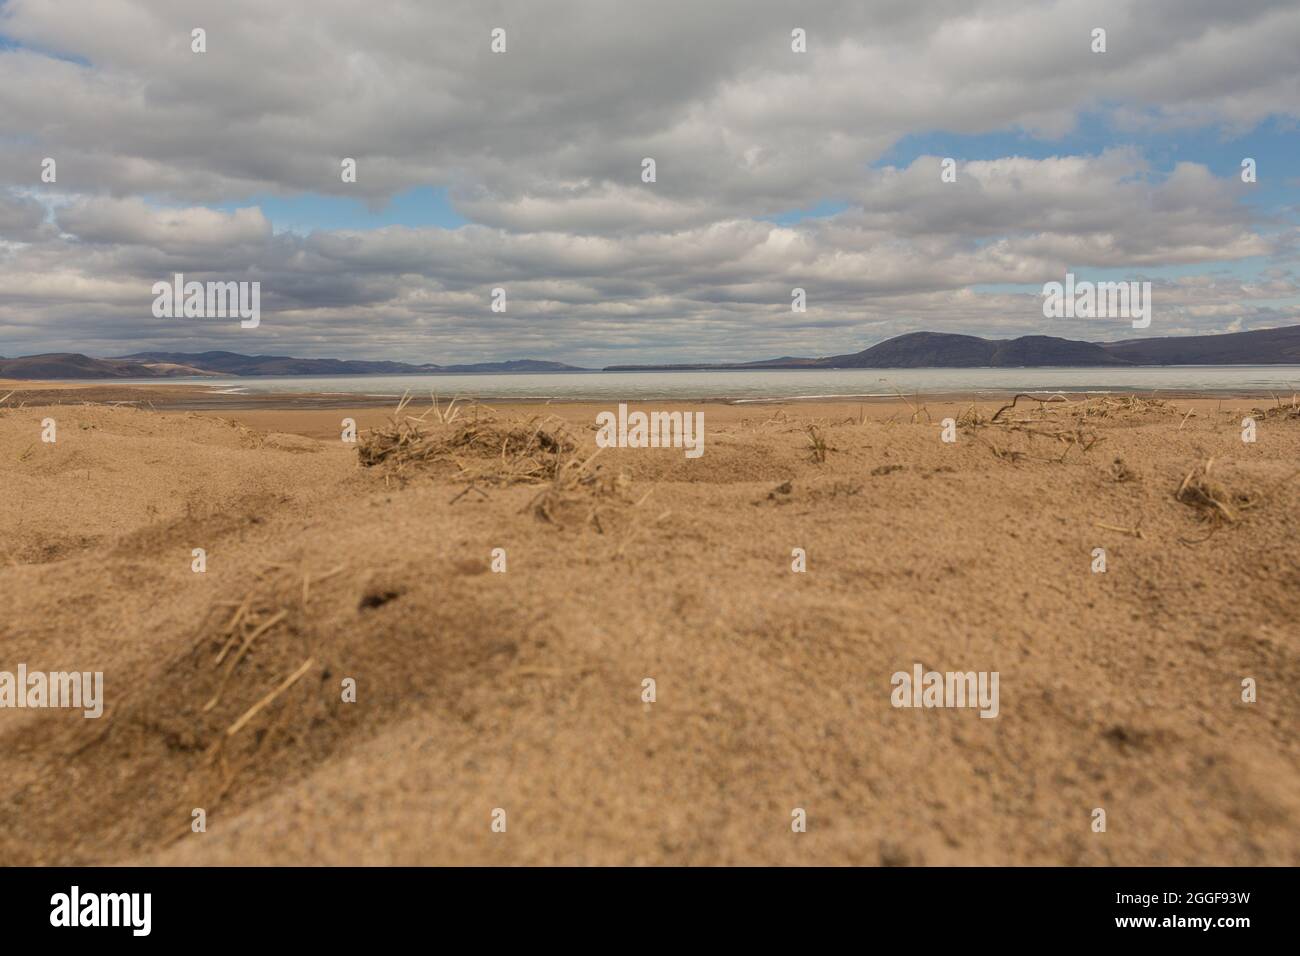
1107,407
1214,502
1279,410
1055,418
483,451
1218,505
236,674
916,412
580,494
480,450
817,445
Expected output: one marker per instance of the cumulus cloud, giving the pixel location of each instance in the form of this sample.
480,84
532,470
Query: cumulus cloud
541,150
134,222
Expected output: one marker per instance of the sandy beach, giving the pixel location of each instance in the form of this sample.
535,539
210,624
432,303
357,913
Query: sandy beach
477,690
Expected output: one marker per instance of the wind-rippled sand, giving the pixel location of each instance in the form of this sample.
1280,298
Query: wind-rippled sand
522,690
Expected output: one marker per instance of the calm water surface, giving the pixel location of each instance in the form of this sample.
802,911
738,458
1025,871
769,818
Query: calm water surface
751,385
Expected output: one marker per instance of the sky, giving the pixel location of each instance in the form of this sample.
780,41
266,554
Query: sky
522,170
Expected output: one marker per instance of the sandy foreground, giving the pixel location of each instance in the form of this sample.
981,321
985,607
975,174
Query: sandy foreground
523,691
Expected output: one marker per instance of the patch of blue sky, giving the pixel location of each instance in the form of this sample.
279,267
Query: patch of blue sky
1272,143
421,207
822,210
9,44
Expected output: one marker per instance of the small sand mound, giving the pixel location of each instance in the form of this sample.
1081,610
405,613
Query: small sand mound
1055,407
256,700
1063,423
581,494
1207,495
248,437
1218,504
1215,503
479,450
1279,411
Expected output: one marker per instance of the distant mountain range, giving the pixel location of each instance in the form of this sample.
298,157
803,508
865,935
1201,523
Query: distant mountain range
913,350
946,350
70,365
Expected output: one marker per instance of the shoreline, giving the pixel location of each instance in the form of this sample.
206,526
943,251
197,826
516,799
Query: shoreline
320,416
171,397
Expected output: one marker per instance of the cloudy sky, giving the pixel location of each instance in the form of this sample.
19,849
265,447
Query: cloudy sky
523,170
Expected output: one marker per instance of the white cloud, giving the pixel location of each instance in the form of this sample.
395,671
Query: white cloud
541,148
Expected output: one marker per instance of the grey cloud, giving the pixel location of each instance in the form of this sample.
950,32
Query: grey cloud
541,149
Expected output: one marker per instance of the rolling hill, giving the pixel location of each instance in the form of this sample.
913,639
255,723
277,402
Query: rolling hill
949,350
1279,346
73,365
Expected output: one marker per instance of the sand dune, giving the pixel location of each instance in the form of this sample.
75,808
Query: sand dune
522,690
